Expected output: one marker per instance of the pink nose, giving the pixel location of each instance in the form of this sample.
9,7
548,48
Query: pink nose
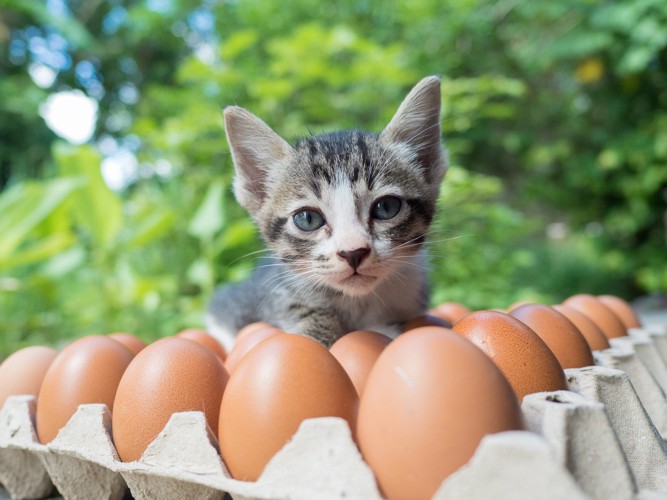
354,257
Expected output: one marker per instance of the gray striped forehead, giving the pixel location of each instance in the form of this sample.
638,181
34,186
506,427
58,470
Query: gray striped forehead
352,156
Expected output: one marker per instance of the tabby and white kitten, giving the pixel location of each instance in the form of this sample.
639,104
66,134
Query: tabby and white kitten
345,215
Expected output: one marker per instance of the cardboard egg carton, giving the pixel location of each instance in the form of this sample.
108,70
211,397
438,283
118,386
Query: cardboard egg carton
600,439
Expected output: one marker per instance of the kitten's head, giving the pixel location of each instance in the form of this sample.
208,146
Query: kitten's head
346,209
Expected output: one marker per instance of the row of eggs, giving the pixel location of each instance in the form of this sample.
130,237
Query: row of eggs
417,406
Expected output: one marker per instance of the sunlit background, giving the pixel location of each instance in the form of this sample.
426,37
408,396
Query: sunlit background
115,205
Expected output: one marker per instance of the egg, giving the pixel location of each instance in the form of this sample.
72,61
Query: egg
597,312
594,337
86,371
426,320
558,332
170,375
522,356
23,371
282,381
621,309
450,311
429,400
357,352
132,342
204,338
250,328
246,339
516,305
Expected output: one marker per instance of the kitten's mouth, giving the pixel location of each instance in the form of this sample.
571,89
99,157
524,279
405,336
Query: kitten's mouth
353,282
358,279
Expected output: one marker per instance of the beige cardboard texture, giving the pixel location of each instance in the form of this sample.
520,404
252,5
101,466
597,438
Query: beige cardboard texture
81,459
645,451
649,391
21,471
529,471
583,440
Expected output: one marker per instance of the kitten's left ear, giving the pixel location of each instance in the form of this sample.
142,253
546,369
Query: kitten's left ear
255,150
417,124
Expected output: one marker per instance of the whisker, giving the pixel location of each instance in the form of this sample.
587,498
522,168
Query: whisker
249,254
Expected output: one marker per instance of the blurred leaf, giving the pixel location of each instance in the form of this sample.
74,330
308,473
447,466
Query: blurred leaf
98,209
65,262
210,216
75,32
200,273
636,59
238,234
151,228
24,206
39,251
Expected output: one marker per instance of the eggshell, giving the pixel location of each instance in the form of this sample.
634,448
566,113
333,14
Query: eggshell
204,338
132,342
600,314
246,340
621,309
86,371
558,332
282,381
522,356
429,400
516,305
450,311
594,337
23,371
426,320
170,375
357,352
252,327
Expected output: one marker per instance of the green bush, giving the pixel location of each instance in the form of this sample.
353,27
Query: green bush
554,114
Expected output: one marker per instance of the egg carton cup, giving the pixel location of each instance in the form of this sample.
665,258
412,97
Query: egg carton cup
597,440
321,461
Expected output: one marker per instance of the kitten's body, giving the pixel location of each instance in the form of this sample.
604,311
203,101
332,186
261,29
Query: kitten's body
346,216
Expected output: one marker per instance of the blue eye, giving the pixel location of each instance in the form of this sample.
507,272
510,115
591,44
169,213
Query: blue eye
386,208
308,220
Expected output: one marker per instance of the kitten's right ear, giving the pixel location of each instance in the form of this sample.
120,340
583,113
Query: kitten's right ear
255,148
417,124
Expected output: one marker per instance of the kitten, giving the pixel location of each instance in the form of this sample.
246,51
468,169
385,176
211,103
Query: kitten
345,215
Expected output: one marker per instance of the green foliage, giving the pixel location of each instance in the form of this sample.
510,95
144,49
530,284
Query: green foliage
554,114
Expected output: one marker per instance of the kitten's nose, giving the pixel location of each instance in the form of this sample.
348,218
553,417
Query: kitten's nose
354,257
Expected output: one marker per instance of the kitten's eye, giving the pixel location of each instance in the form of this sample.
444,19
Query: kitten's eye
308,220
386,208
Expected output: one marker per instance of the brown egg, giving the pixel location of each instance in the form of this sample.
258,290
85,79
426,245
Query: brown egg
86,371
518,351
429,400
594,337
252,327
132,342
621,309
516,305
357,352
207,340
597,312
282,381
170,375
558,332
23,371
426,320
450,311
246,340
